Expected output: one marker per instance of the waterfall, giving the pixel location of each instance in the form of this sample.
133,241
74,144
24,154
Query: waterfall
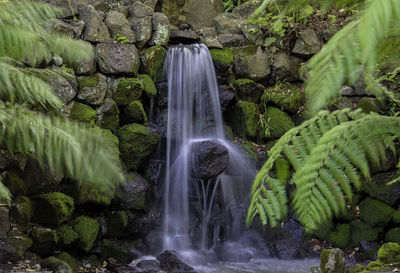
194,116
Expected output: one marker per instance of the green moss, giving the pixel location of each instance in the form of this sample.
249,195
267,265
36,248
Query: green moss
113,249
374,265
95,194
393,235
108,115
88,81
342,236
44,235
53,208
22,211
332,261
67,234
356,269
134,112
364,232
389,253
117,222
136,142
83,113
369,105
15,184
128,90
375,212
152,62
223,58
19,240
245,119
396,217
148,85
66,257
248,90
112,142
87,228
278,122
286,96
56,265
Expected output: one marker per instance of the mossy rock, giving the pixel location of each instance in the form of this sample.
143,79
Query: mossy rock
136,143
134,112
53,208
332,261
278,122
87,228
45,241
92,89
83,113
56,265
70,260
245,119
364,232
396,217
19,241
22,211
286,96
148,85
117,222
389,253
248,90
15,184
67,235
222,58
393,235
375,212
375,266
152,62
342,236
369,105
95,194
108,115
128,90
112,143
115,249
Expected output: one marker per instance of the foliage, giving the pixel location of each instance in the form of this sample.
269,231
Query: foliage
65,146
121,39
229,5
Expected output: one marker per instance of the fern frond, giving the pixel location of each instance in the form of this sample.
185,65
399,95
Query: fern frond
68,147
322,182
5,194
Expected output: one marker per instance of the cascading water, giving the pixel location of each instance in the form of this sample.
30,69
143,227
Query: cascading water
194,117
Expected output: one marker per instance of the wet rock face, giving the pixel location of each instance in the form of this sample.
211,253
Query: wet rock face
332,261
210,159
170,262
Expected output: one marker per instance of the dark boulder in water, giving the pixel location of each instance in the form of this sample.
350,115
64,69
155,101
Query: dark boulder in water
210,159
170,262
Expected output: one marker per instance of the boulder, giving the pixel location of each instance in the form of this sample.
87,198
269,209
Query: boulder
248,90
95,194
45,240
85,67
389,253
68,8
149,265
40,180
95,30
393,235
210,159
246,9
118,251
286,96
19,240
253,63
245,119
152,62
375,212
361,231
87,228
53,208
183,36
232,40
92,89
118,25
70,29
160,34
108,115
169,261
8,254
307,44
341,237
139,10
117,222
126,90
83,113
137,142
15,183
133,194
285,67
225,97
173,9
70,260
134,113
67,235
148,85
117,58
252,32
279,122
56,265
201,13
226,24
369,105
4,222
223,59
22,211
142,27
332,261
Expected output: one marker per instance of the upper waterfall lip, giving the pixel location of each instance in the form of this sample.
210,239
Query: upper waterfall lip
190,46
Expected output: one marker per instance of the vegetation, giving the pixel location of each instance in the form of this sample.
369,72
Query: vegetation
68,147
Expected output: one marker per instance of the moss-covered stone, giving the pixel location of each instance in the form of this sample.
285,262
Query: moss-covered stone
112,142
56,265
45,241
95,194
389,253
375,265
222,58
245,119
369,105
342,236
108,115
148,85
278,122
83,113
152,62
22,211
248,90
115,249
128,90
134,112
92,89
19,241
136,143
375,212
87,228
67,235
15,184
286,96
396,217
132,195
393,235
70,260
364,232
332,261
117,222
53,208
